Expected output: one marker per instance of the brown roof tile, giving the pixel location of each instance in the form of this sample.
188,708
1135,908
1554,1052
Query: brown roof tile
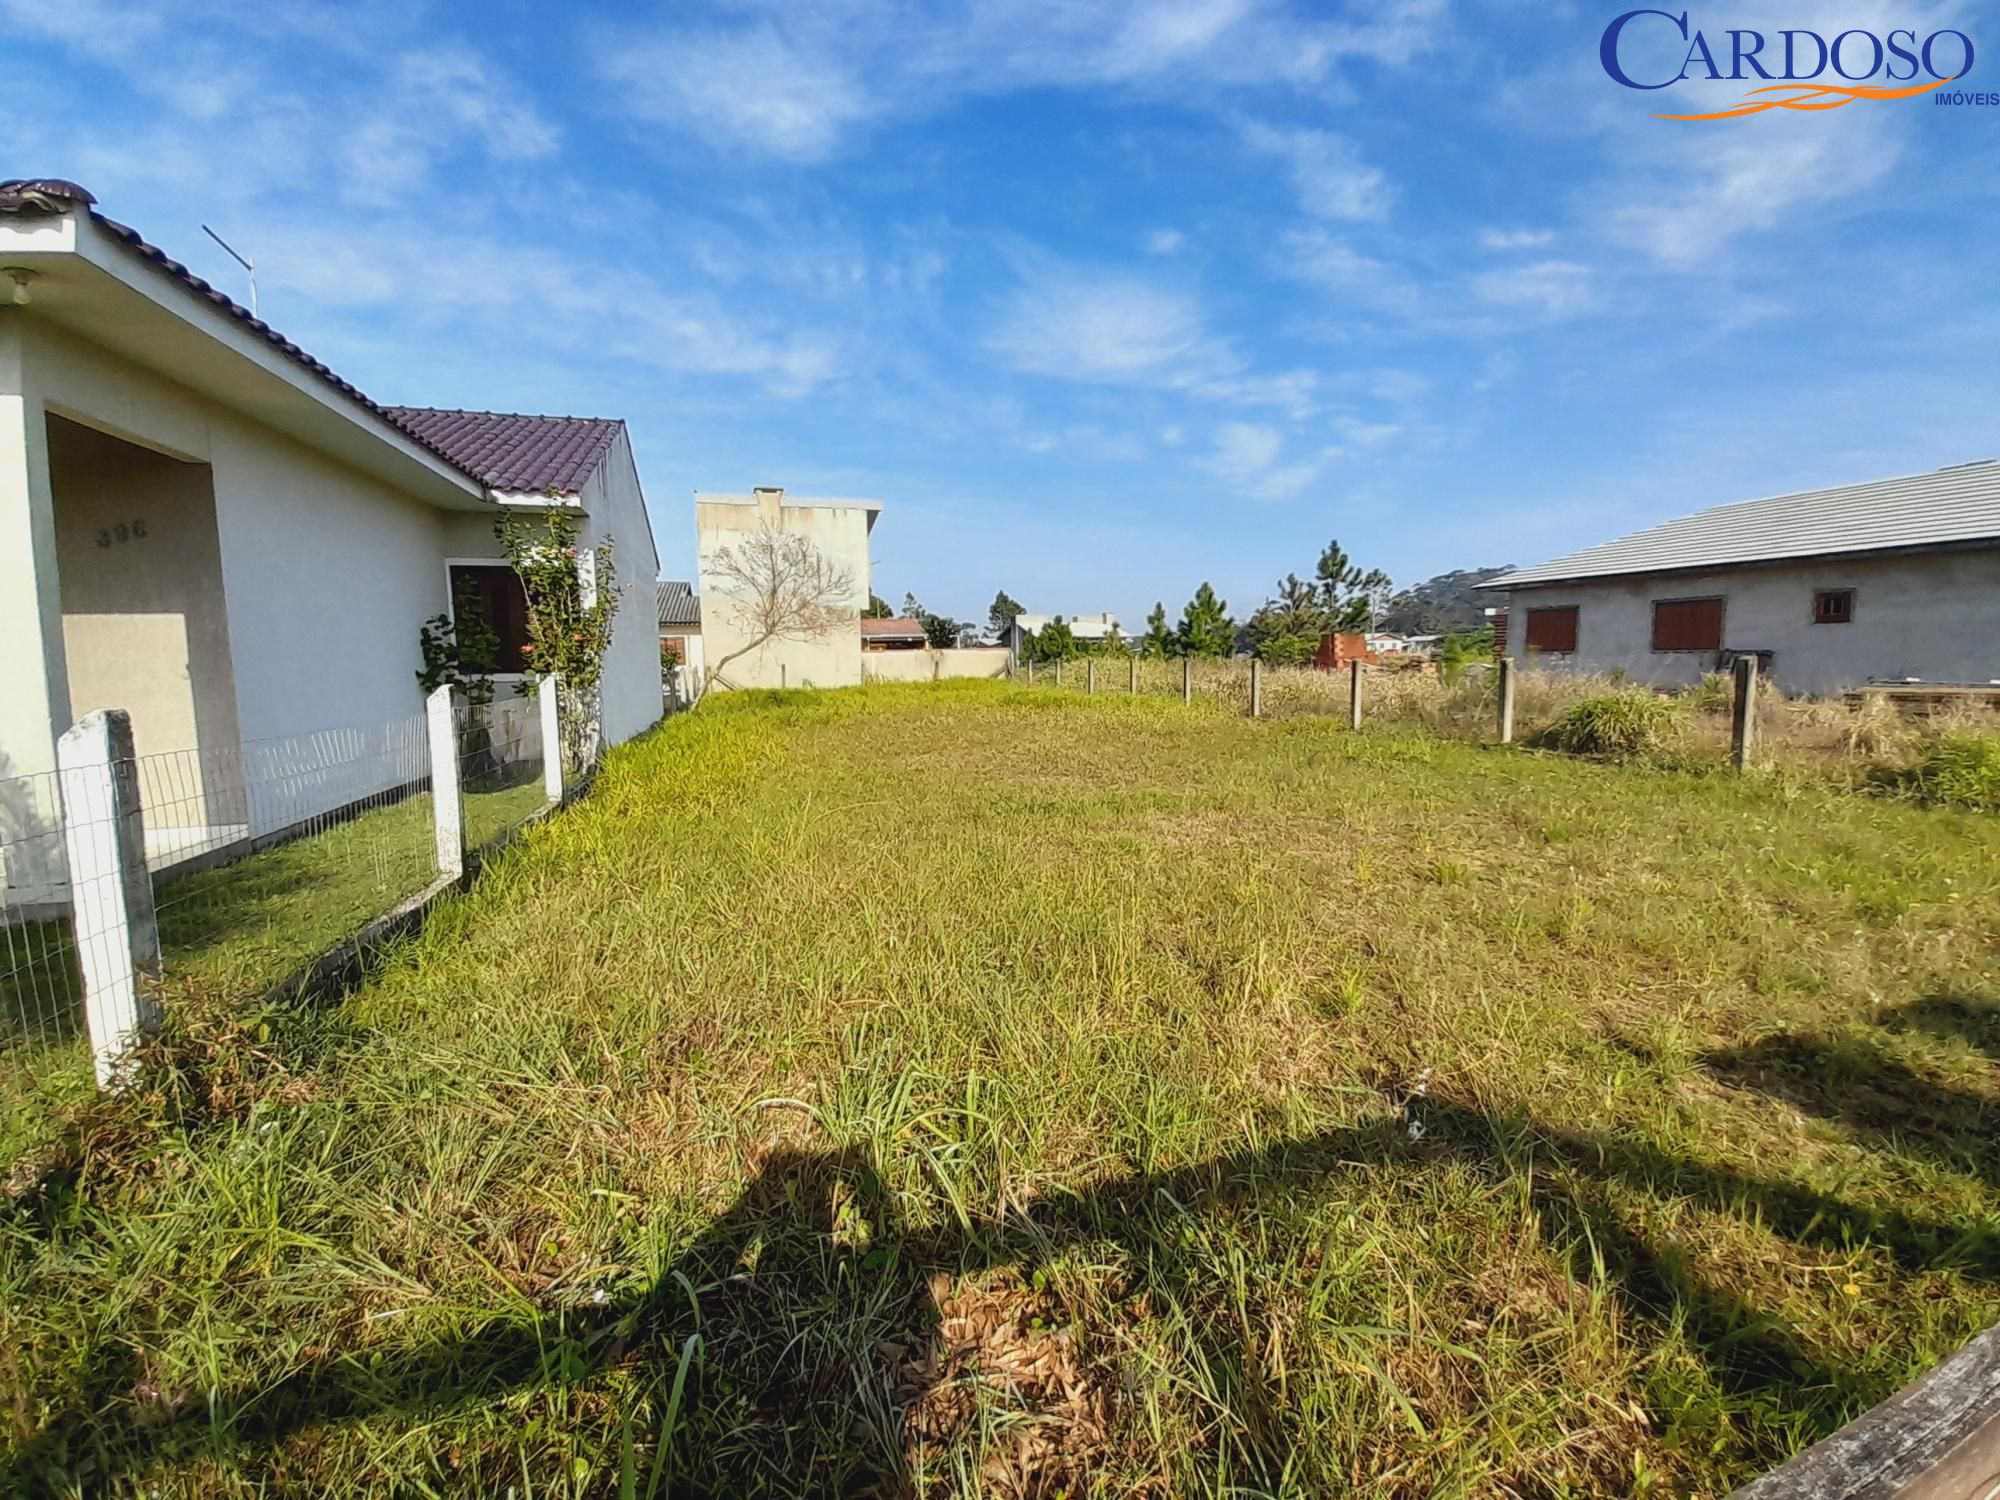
892,630
508,451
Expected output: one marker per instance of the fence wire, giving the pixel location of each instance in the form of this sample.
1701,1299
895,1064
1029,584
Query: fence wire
264,854
500,767
40,983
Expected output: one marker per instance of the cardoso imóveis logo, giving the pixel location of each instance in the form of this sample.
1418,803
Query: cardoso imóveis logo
1801,69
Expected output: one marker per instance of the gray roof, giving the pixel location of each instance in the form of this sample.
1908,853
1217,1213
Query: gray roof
678,604
1942,508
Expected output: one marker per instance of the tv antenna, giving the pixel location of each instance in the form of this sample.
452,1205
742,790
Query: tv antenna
244,261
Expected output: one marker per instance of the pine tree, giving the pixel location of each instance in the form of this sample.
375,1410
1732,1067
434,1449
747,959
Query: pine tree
1003,613
1055,641
1158,641
1205,628
1287,630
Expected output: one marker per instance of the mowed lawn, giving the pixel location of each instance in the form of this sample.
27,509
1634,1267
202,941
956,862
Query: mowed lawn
963,1090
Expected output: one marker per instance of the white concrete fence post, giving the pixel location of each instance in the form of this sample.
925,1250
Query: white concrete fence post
1506,702
1256,688
447,803
549,706
1354,694
111,890
1743,714
1090,675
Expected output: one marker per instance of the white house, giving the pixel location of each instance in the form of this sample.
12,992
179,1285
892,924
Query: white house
202,524
838,531
680,629
1890,581
1099,627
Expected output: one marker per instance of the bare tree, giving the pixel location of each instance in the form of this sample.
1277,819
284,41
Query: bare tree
779,587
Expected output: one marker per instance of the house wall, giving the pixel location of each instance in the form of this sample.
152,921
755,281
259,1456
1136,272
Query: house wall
1933,616
840,532
612,507
616,509
928,665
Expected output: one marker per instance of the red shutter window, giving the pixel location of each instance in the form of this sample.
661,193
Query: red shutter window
1500,636
1687,624
502,604
1552,629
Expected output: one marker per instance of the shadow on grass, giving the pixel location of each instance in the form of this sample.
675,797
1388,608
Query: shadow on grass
770,1324
1879,1100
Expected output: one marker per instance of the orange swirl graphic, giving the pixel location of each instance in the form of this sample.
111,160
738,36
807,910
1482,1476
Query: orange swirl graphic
1810,96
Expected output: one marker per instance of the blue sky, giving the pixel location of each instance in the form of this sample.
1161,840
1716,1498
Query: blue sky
1100,299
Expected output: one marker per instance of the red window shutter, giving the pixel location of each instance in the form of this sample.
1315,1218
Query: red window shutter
503,604
1552,628
1687,625
1500,636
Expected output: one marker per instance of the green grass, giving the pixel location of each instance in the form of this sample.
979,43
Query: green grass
966,1090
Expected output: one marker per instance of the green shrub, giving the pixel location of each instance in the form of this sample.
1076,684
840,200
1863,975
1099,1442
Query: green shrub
1962,769
1617,726
1714,694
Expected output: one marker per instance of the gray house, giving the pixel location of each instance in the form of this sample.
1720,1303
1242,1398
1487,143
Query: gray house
1891,581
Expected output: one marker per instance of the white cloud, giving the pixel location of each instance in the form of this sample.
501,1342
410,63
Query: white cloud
1556,288
798,82
1313,255
1327,171
1113,328
498,294
1247,457
751,86
1162,241
1516,239
1685,214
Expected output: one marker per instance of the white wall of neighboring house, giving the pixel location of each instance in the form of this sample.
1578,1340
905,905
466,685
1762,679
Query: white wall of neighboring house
1932,616
839,529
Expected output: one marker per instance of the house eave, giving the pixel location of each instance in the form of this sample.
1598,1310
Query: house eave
94,285
1804,559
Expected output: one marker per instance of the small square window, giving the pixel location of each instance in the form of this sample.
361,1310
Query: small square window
1833,606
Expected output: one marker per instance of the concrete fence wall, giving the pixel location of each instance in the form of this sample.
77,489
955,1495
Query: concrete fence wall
928,665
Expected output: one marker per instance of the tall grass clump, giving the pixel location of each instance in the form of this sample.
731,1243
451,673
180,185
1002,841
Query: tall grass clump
1616,726
1961,770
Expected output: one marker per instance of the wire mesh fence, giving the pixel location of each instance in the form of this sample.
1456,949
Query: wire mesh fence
40,989
230,867
1878,736
266,853
500,767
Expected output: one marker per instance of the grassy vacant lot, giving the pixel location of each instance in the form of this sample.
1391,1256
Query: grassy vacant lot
962,1090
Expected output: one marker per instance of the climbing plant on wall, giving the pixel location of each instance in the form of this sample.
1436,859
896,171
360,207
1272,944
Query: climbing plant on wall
572,595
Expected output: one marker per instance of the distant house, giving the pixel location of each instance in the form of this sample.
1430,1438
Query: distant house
892,635
1890,581
1338,648
679,609
838,530
203,525
1099,627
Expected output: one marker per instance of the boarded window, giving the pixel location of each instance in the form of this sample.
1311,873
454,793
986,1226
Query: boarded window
1500,635
1833,606
1687,625
1552,629
495,595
